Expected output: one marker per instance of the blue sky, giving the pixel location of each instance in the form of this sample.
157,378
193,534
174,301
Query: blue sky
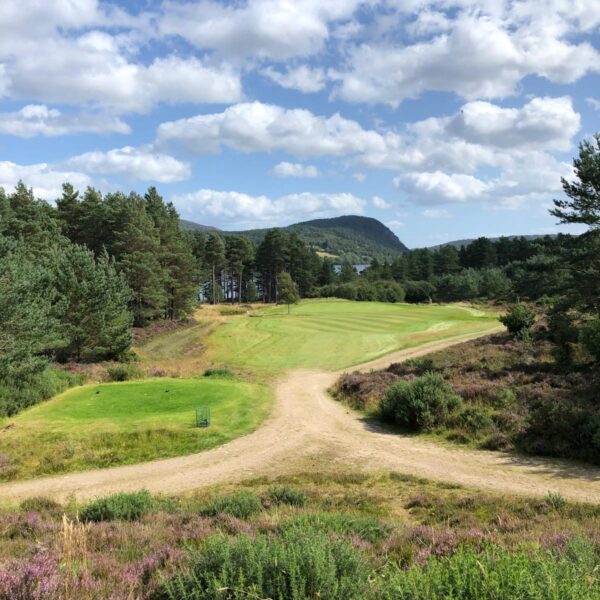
445,119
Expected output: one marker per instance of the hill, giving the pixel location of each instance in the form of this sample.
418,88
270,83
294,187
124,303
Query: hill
459,243
191,226
350,237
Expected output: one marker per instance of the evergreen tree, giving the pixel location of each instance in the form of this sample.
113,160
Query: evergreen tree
348,273
288,290
214,255
69,211
137,250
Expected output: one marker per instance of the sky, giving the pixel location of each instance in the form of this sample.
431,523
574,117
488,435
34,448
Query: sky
444,119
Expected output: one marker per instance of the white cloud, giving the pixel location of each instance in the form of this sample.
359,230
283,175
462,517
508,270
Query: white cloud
436,213
287,169
438,187
360,177
39,119
276,29
302,78
379,202
478,57
238,210
595,104
60,52
258,127
133,164
45,180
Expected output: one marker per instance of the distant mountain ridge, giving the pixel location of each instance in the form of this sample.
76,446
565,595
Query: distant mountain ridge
459,243
351,237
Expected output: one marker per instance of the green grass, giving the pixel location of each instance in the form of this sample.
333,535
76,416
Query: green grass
333,334
120,423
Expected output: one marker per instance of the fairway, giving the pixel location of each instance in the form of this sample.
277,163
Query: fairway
119,423
334,334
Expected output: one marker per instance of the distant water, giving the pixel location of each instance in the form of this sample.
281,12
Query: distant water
358,268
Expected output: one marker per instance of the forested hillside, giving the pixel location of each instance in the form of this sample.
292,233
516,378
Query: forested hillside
352,238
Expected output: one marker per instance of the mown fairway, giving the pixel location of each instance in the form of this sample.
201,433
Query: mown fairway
119,423
333,334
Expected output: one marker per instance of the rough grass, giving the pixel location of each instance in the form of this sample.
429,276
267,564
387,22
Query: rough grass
122,423
333,334
355,536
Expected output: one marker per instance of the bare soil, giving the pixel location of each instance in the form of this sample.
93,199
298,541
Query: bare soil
308,431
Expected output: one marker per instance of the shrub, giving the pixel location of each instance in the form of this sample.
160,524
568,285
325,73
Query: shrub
286,495
124,506
298,565
124,372
39,504
221,372
241,505
366,528
518,320
422,404
590,338
474,419
496,574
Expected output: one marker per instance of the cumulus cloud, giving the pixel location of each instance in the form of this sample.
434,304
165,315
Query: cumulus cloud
275,29
379,202
258,127
478,57
133,164
302,78
61,52
595,104
39,119
439,187
287,169
237,210
46,180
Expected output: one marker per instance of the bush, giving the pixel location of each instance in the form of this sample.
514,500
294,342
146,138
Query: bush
298,565
124,372
39,504
590,338
221,372
367,528
286,495
241,505
474,419
518,320
422,404
496,574
124,506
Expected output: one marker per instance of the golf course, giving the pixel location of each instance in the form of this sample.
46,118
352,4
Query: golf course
112,424
336,334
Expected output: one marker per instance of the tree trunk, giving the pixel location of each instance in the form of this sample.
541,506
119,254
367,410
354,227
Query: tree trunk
214,285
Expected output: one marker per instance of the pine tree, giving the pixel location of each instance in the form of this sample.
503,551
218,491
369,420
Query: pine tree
214,255
288,290
137,248
69,211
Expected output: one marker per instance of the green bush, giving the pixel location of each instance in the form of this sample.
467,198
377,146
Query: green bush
422,404
124,372
590,338
241,505
366,528
221,372
498,574
39,504
286,495
474,419
298,565
518,320
124,506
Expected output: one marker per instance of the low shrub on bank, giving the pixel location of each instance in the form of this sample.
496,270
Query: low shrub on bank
422,404
123,506
241,505
124,372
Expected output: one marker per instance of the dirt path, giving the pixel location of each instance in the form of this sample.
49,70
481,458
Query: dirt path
308,430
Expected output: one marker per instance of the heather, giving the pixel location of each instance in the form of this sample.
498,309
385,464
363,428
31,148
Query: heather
350,536
514,395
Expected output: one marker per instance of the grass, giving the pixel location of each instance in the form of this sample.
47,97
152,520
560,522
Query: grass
354,536
333,334
120,423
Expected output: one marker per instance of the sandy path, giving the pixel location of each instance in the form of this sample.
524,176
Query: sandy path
307,430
